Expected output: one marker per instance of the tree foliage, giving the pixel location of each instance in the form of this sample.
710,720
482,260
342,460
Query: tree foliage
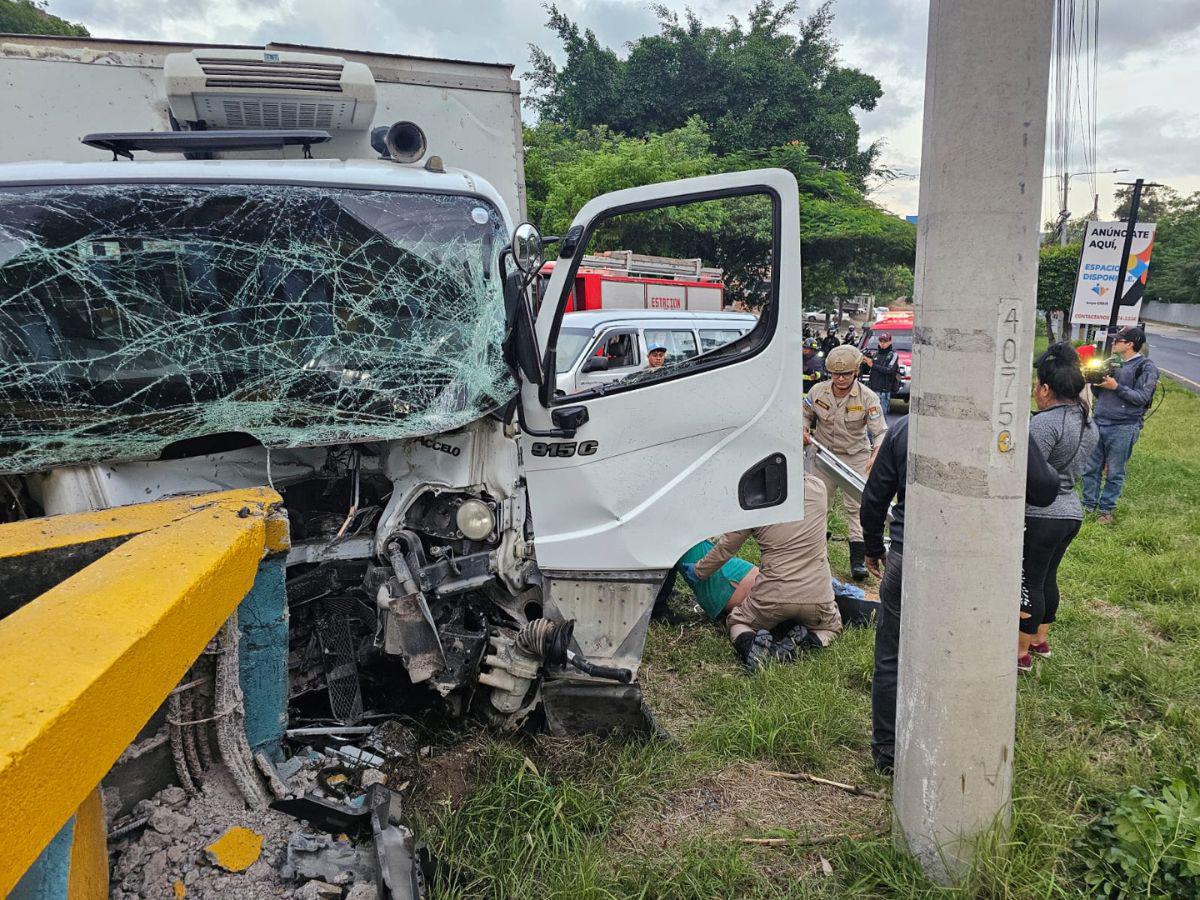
1154,203
1057,267
27,17
767,82
1175,264
848,244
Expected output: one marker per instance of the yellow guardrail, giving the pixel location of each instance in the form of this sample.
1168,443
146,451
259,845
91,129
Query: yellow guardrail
87,663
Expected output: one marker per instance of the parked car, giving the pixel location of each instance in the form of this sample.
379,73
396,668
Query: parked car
900,326
600,346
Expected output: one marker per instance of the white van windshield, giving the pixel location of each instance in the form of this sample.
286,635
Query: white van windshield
571,342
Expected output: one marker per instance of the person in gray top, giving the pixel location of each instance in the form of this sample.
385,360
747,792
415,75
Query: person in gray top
1064,431
1121,403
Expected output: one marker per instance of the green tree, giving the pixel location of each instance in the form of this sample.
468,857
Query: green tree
1057,268
847,243
770,81
1153,205
27,17
1175,264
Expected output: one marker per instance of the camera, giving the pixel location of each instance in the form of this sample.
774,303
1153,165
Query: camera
1095,370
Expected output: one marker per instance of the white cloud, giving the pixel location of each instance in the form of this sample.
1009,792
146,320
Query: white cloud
1149,58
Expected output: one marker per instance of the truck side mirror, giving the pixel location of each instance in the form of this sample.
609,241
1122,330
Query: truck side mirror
528,249
595,364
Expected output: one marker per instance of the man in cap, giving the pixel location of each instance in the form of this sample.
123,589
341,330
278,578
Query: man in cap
883,368
847,418
656,355
814,368
1119,410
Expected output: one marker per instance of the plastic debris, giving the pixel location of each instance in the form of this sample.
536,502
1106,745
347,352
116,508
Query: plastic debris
236,850
323,857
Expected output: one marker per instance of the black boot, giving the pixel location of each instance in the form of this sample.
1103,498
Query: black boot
754,650
858,560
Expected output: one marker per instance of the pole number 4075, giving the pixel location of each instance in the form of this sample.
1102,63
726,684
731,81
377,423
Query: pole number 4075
564,449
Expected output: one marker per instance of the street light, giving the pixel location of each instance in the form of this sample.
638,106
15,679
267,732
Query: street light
1065,215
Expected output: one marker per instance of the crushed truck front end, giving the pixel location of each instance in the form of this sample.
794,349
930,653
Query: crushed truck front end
333,329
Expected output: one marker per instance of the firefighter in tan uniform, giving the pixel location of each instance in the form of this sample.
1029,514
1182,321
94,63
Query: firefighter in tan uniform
846,417
794,584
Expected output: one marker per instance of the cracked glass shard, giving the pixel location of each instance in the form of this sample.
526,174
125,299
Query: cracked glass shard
133,317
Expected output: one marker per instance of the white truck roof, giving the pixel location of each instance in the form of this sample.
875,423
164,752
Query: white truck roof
365,173
57,89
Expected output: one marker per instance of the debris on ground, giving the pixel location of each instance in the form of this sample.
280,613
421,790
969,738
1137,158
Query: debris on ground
234,851
333,836
322,856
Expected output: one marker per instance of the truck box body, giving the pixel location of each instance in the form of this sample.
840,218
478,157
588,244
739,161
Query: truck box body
57,89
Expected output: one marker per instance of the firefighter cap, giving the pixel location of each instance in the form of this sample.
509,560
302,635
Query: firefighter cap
842,359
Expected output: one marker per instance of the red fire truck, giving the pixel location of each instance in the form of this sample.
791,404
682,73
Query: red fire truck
621,279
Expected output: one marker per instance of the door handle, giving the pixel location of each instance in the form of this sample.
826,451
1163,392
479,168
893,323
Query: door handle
764,484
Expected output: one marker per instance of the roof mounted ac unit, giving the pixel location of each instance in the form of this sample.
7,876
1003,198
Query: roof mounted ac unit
227,88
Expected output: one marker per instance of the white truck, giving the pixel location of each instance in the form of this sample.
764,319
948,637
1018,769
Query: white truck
302,267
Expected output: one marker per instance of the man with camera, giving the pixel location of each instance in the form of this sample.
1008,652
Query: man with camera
1122,399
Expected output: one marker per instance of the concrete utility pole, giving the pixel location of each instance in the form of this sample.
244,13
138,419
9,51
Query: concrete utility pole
986,84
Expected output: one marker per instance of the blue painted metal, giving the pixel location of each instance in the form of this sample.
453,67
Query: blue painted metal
263,656
48,877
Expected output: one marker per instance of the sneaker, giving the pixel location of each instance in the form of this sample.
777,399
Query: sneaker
1042,649
1104,518
1024,664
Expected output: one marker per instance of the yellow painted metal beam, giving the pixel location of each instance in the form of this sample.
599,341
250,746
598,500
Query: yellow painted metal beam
54,532
88,662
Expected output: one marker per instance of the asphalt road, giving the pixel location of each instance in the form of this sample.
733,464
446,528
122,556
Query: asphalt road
1177,352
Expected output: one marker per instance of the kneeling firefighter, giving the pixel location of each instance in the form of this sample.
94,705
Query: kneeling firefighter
847,418
794,585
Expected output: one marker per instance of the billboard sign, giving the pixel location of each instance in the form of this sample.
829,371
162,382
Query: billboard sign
1099,264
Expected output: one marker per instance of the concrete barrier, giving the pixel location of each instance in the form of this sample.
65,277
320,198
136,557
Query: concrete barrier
1172,313
89,660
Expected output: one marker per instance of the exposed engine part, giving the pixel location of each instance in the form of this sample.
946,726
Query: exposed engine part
516,661
409,630
511,672
552,641
341,665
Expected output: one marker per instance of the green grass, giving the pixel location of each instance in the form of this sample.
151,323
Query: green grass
1118,705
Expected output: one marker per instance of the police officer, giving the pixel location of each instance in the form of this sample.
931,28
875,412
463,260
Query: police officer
814,368
883,370
846,417
829,341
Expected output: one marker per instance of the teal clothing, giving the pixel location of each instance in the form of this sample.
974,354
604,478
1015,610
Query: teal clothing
714,592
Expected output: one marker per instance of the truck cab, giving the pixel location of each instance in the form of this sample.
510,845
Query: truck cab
359,332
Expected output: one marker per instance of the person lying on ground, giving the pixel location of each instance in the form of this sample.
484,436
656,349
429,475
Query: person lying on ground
727,587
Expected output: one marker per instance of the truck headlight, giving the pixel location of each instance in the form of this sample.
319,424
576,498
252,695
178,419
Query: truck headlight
475,519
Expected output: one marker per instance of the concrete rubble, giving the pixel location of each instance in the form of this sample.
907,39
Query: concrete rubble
209,845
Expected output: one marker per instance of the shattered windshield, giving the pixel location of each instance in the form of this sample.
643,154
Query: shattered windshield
135,316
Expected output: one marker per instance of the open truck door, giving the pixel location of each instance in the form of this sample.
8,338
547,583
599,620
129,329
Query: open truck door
624,477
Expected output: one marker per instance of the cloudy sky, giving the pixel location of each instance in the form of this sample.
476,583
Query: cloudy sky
1149,106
